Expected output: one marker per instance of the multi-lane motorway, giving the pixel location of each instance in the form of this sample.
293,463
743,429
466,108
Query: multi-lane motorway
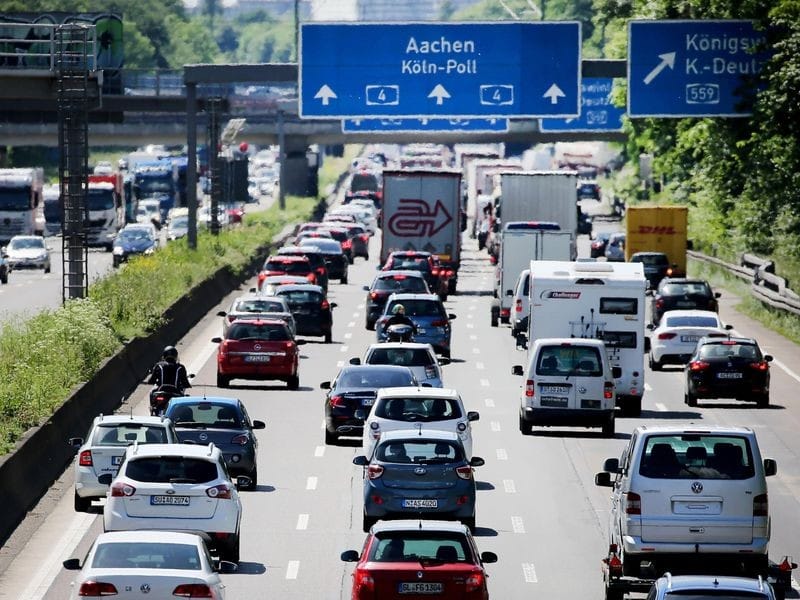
537,507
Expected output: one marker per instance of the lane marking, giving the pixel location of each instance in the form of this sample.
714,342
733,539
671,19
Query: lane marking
311,483
292,568
476,350
509,486
661,407
351,324
319,451
348,335
495,425
302,522
470,316
480,366
470,326
322,425
339,364
473,307
485,382
489,403
343,349
360,305
517,525
355,315
529,573
473,337
788,371
502,454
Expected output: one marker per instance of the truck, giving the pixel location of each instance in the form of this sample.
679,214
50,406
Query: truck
21,202
106,205
658,229
481,182
52,209
422,211
601,300
519,246
157,179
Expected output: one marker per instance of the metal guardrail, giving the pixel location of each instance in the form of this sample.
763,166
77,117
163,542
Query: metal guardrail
767,287
27,46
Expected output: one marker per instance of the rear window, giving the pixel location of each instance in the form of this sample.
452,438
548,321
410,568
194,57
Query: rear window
146,555
419,308
400,283
338,235
410,264
730,350
569,360
697,321
689,289
364,182
175,469
419,546
288,267
128,433
424,410
423,451
267,333
257,306
406,357
651,260
206,414
619,306
619,339
716,595
301,296
375,378
697,456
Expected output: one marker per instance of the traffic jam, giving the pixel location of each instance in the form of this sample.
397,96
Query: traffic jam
589,324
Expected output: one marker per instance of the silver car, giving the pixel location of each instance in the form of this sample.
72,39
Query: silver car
27,252
710,586
257,306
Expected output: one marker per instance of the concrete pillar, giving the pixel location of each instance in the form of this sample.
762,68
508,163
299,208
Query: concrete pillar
295,170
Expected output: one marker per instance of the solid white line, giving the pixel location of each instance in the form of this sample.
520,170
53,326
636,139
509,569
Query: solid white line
502,454
311,483
788,371
661,407
302,522
485,382
517,525
480,366
489,403
529,573
339,364
319,451
292,568
495,425
509,486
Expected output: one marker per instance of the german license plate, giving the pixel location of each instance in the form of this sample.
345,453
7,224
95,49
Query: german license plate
553,401
421,330
367,401
116,460
729,375
169,500
420,503
420,587
684,304
554,389
256,358
690,338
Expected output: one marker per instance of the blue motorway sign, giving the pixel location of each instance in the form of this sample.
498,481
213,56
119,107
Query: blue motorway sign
597,111
691,68
391,125
466,69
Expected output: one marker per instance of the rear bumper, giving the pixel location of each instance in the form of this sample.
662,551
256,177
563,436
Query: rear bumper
567,416
633,545
258,371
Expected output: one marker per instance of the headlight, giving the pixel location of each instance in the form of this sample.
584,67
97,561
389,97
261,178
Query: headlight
150,250
118,250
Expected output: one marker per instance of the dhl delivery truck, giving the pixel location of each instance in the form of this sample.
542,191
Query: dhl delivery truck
658,229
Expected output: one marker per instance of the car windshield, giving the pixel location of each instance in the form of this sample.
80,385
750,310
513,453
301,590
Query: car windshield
25,244
326,246
257,306
375,378
287,266
206,414
124,434
570,360
133,235
301,296
418,451
410,264
252,331
171,469
726,350
400,283
696,321
420,546
146,555
697,456
407,357
418,409
364,182
419,308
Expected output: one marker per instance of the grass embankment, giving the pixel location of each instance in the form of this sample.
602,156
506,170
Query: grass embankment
43,358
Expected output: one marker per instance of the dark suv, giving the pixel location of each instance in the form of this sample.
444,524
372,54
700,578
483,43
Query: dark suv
681,293
387,283
656,266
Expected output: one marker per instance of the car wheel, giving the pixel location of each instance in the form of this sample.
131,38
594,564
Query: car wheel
611,594
331,439
469,523
654,364
494,317
253,475
632,407
82,504
691,399
328,337
608,427
451,286
762,401
4,277
230,551
524,427
343,280
223,381
350,259
115,262
293,382
47,269
446,352
367,523
370,325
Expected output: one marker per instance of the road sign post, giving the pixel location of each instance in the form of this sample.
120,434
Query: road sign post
692,68
414,70
598,113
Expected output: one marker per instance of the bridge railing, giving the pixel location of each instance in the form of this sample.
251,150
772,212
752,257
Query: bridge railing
32,46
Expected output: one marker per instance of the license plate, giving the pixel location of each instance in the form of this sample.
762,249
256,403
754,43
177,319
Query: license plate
690,338
367,401
684,304
553,401
256,358
554,389
420,330
116,460
729,375
420,503
169,500
420,587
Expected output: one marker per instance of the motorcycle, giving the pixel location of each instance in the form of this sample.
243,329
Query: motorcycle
160,397
400,333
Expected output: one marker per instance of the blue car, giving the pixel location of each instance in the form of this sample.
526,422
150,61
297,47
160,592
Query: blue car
134,239
427,313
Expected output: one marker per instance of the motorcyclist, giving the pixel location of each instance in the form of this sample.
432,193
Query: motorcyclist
169,372
399,318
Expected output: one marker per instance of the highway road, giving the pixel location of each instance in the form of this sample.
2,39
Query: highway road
537,506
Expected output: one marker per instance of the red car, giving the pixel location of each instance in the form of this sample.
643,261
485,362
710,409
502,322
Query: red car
287,265
262,349
419,559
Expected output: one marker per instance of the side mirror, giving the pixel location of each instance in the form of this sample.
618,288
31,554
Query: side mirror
226,567
650,326
259,424
105,479
252,290
72,564
728,327
647,345
473,415
488,557
333,305
603,480
355,361
717,295
242,481
451,316
611,465
77,442
325,385
360,461
476,461
770,467
365,288
300,342
517,370
350,556
769,357
426,384
360,414
509,293
649,292
443,360
616,372
222,313
216,340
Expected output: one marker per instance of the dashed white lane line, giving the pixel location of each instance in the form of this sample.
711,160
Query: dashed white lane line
302,522
360,305
485,382
351,324
648,387
502,454
517,525
339,364
292,568
347,335
661,407
476,350
529,573
343,349
311,483
472,306
509,486
473,337
322,425
470,326
788,371
319,451
355,315
489,403
480,366
470,316
495,425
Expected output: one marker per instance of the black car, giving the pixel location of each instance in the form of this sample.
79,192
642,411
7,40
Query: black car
682,293
351,395
312,312
223,421
584,223
315,257
731,367
598,245
387,283
335,258
417,260
339,233
656,266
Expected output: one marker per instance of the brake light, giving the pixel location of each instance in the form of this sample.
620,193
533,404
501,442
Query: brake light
633,504
231,318
241,439
374,471
363,581
439,323
464,472
96,589
220,492
518,308
474,582
529,390
192,590
435,272
337,402
347,244
761,506
364,237
324,305
321,270
666,336
698,365
505,312
374,295
121,489
760,365
311,277
399,277
608,390
660,303
85,459
615,564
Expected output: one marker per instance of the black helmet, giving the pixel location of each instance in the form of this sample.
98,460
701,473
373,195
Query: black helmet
170,352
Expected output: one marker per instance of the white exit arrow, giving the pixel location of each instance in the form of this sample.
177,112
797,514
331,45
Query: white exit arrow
554,93
439,93
667,60
326,94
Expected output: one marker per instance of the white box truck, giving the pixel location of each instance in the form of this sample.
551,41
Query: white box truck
599,300
517,249
422,211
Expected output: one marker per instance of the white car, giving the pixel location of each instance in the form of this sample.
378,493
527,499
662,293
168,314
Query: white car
27,252
418,408
103,450
420,358
148,211
148,564
176,487
256,306
674,339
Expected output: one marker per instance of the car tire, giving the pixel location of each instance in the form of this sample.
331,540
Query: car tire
608,427
253,475
82,504
4,277
293,382
632,407
525,427
613,594
230,551
446,352
469,523
115,262
370,326
328,337
223,381
47,269
654,364
367,523
494,317
343,280
451,286
762,400
331,439
690,399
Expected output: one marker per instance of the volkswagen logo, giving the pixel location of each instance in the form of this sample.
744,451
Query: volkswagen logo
203,436
420,574
697,487
170,492
420,471
145,588
257,346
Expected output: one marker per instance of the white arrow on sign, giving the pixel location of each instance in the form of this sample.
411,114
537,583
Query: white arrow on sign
667,60
554,93
326,94
439,93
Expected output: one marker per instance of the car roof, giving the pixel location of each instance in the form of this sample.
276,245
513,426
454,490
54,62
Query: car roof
419,253
692,428
264,321
568,342
136,419
412,345
186,450
419,525
727,339
419,392
287,258
395,368
417,434
297,250
293,287
689,313
179,400
27,237
278,278
257,296
667,280
142,535
713,582
411,296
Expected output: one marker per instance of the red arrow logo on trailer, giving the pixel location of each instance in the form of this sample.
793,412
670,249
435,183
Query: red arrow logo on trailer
414,218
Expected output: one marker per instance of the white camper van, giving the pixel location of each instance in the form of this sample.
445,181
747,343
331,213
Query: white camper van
598,300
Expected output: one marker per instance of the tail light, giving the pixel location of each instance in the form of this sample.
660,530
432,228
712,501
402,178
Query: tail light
760,365
529,390
633,504
439,323
364,237
261,277
321,270
614,563
435,272
761,506
96,589
241,439
120,489
669,272
85,459
449,273
373,295
324,305
374,471
666,336
474,582
311,277
698,365
660,303
231,318
608,390
464,472
337,402
220,492
363,581
505,312
192,590
347,244
518,307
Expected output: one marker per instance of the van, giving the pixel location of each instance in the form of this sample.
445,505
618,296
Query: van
569,381
521,304
687,498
